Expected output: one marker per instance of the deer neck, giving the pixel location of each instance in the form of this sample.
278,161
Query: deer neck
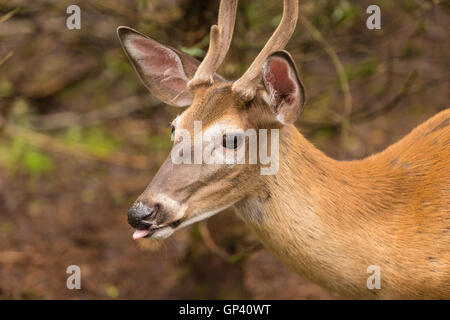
303,215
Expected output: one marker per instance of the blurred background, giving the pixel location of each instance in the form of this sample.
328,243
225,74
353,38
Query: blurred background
80,137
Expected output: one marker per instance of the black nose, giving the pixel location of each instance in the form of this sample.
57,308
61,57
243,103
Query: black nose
139,215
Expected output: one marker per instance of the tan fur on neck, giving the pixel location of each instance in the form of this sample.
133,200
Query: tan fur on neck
330,220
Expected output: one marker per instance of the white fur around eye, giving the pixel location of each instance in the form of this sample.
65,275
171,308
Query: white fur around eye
214,134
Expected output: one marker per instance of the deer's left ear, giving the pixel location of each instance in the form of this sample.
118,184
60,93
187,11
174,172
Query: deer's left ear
165,71
285,93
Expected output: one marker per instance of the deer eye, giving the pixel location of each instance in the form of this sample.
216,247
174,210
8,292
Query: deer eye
231,141
172,130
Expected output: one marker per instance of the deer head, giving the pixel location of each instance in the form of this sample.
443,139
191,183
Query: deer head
268,96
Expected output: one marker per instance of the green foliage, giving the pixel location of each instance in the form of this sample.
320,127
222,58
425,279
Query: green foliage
340,13
6,88
116,61
112,291
7,228
365,69
196,50
195,232
36,162
99,141
21,112
193,51
88,196
412,50
421,26
159,141
29,293
409,6
344,12
235,258
17,156
322,136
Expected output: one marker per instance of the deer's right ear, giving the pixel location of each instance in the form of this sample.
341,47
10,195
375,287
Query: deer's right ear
163,70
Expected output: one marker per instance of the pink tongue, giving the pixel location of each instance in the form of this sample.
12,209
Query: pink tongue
140,234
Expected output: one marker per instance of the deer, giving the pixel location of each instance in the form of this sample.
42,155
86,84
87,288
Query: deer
326,219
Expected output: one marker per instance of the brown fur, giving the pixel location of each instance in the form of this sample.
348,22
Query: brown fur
330,220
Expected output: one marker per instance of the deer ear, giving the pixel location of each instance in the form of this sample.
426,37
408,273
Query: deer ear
285,93
163,70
